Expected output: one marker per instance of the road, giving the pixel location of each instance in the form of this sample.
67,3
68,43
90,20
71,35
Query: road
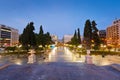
60,66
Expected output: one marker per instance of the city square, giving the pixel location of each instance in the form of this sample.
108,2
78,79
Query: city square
60,65
60,40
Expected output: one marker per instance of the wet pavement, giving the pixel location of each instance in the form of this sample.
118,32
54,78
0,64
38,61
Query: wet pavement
61,55
59,71
60,65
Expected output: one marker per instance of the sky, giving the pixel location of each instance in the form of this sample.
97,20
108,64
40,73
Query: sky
58,17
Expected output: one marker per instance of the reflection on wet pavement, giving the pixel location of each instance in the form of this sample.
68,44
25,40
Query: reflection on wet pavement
61,64
62,54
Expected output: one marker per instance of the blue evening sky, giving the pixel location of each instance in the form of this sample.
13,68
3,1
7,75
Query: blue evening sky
58,16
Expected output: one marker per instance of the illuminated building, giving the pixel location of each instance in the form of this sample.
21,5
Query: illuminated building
8,36
102,35
113,33
54,38
67,38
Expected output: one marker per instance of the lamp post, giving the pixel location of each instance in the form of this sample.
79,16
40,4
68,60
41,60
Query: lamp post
80,46
103,48
19,49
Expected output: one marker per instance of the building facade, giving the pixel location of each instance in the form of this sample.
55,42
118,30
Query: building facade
54,38
67,38
8,36
113,34
102,35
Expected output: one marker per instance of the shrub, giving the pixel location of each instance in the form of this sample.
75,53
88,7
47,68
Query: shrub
10,48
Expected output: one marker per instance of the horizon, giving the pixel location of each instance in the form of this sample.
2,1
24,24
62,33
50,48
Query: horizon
58,17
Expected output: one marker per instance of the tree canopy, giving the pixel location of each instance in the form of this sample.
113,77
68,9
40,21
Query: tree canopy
87,34
27,38
76,39
95,36
30,39
91,35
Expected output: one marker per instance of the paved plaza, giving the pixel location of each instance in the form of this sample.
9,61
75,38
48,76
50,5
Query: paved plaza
60,66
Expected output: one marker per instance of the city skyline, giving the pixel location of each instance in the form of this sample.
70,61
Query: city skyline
58,17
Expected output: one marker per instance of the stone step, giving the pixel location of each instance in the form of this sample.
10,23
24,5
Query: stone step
116,66
2,66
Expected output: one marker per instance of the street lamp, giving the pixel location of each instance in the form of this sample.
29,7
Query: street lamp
80,46
103,47
19,46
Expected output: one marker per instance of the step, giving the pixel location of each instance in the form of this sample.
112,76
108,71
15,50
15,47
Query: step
2,66
116,66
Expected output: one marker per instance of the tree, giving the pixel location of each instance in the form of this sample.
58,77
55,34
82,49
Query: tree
41,32
32,38
94,28
79,38
41,40
44,39
87,34
48,38
28,38
95,36
91,35
74,40
24,38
